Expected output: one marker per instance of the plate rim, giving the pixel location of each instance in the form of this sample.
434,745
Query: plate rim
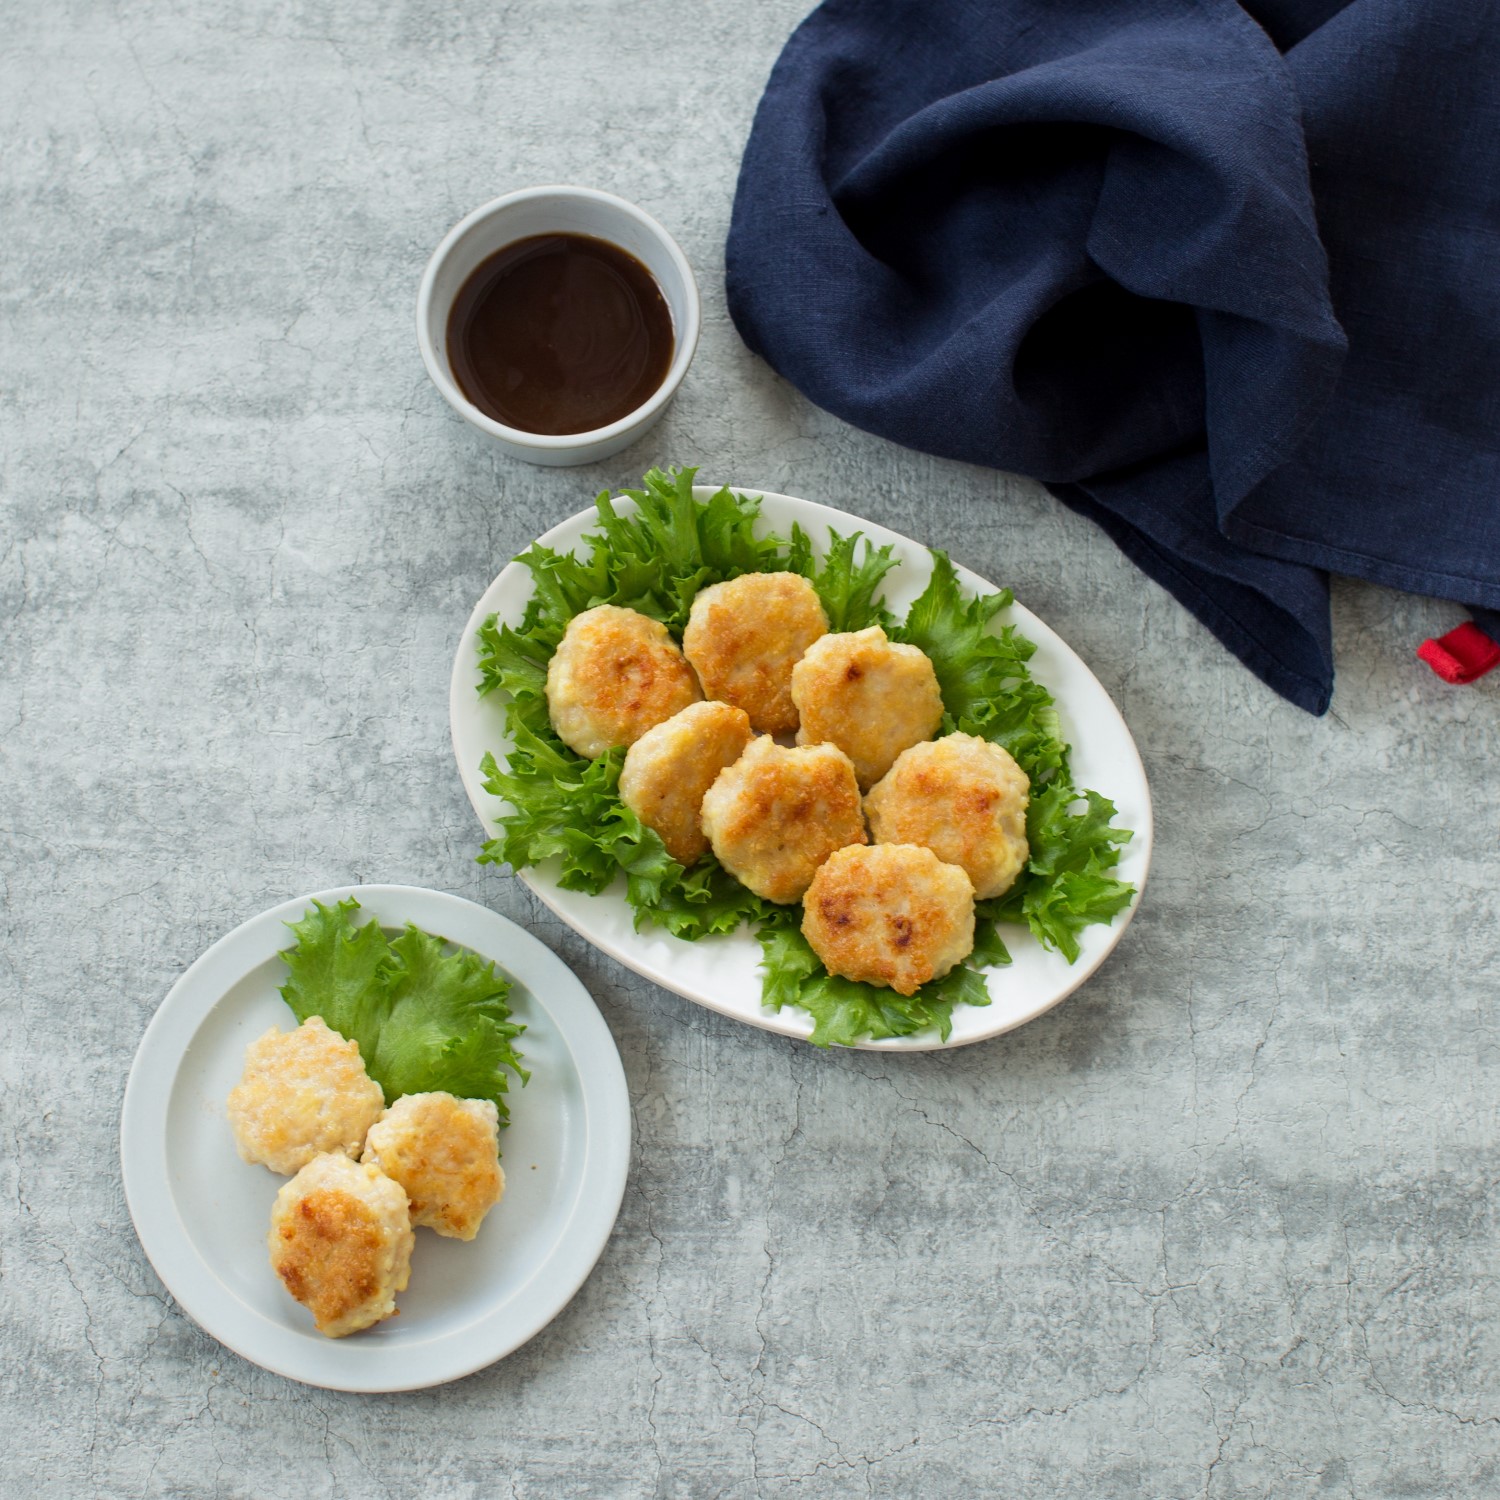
193,1283
461,689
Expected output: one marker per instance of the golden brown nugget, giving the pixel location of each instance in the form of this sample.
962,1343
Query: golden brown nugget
445,1154
670,767
303,1092
893,915
744,637
965,799
341,1243
615,674
868,696
775,815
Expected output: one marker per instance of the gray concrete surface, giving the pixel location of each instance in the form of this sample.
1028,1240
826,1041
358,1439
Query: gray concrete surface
1220,1226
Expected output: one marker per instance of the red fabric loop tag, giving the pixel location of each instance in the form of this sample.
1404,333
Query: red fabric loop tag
1462,655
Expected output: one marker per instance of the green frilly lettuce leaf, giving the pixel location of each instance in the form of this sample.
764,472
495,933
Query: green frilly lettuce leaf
426,1019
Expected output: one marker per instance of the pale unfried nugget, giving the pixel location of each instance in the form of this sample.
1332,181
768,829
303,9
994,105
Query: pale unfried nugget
965,799
745,636
776,814
670,767
445,1153
869,697
892,915
614,675
303,1092
341,1243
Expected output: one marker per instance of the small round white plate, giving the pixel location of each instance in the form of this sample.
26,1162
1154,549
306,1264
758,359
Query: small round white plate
202,1213
723,973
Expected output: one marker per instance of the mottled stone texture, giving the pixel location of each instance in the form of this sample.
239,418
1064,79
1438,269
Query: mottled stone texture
1220,1226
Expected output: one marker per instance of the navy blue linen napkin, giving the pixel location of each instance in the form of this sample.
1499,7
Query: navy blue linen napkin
1226,278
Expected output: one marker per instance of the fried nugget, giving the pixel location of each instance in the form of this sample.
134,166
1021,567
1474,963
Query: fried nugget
776,814
745,636
303,1092
892,915
614,675
341,1243
965,799
869,697
670,767
445,1153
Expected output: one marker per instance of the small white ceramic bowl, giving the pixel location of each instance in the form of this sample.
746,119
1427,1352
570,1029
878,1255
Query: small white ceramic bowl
556,210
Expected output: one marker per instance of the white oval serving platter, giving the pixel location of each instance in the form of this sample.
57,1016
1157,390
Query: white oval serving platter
723,973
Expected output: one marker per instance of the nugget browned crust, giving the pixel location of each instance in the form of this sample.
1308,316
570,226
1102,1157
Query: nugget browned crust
303,1092
668,770
890,914
744,637
445,1153
868,696
965,799
776,814
614,675
341,1243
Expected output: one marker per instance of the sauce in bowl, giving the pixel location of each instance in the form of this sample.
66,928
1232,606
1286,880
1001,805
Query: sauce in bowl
559,333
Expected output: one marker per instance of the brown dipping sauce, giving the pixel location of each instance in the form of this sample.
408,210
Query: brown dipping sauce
560,333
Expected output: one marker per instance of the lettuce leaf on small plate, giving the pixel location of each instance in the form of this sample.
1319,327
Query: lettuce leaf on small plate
426,1019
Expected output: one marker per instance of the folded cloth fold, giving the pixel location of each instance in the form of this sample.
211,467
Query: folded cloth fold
1118,245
